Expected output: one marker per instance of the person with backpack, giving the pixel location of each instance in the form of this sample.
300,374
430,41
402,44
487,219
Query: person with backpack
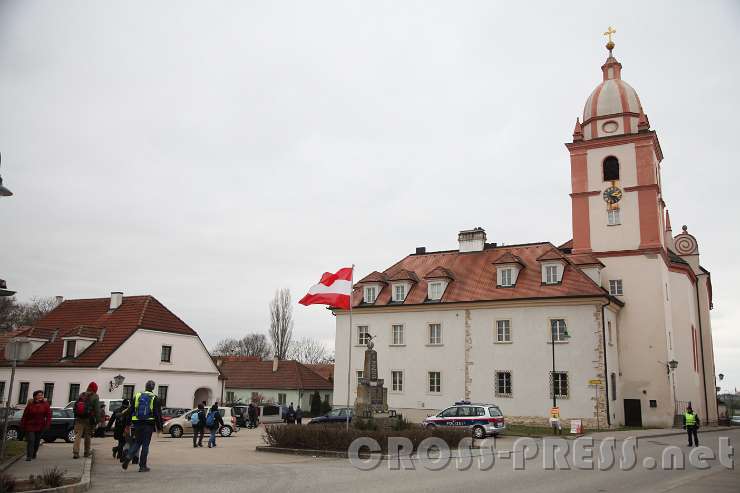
120,422
87,417
146,418
35,421
214,422
198,420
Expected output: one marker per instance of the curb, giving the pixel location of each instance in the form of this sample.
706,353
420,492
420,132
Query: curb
297,451
682,432
79,487
5,465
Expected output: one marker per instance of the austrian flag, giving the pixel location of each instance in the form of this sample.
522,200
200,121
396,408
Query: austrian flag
333,289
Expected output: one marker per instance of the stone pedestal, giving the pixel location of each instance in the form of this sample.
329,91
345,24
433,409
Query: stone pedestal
372,396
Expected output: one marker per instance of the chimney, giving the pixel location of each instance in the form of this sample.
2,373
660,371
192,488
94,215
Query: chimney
421,250
116,298
275,362
472,240
59,299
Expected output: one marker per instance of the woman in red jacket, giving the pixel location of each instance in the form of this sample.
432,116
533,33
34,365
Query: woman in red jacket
36,419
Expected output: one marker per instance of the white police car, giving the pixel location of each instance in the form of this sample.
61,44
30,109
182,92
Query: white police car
482,419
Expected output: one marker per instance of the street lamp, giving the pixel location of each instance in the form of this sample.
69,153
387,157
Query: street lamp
17,349
4,192
565,335
672,365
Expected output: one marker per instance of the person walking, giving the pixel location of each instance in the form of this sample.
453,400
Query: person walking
198,420
121,424
35,421
298,415
87,417
691,424
252,413
214,422
291,414
146,418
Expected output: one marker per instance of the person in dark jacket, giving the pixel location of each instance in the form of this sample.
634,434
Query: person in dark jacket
146,416
298,415
291,414
199,429
216,424
252,413
120,422
35,421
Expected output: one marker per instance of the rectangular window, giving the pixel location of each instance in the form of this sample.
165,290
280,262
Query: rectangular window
609,331
69,349
558,330
49,392
615,287
360,374
614,218
128,391
166,356
397,335
503,383
506,277
370,294
363,334
162,394
282,399
559,384
399,292
435,333
503,330
435,382
23,393
230,397
397,381
435,290
74,392
613,383
551,274
2,392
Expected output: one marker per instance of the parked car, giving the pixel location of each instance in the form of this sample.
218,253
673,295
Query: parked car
242,416
735,421
173,412
481,419
62,426
181,425
337,415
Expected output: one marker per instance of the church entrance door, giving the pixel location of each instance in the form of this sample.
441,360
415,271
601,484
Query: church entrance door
632,412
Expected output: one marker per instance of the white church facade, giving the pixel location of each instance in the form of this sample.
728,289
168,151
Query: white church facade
613,326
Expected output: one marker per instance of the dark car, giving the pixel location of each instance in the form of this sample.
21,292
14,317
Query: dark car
62,426
339,415
172,412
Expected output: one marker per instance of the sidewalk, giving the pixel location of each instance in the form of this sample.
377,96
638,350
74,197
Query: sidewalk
49,456
652,433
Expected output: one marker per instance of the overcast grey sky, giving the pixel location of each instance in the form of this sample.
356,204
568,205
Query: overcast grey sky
208,153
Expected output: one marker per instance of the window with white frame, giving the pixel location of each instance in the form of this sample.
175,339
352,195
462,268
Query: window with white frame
371,293
435,382
397,335
399,292
613,217
559,330
559,384
503,384
435,290
363,335
503,330
70,348
435,334
360,374
507,277
551,274
615,287
397,381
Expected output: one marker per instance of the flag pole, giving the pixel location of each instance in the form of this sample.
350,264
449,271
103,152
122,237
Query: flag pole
349,343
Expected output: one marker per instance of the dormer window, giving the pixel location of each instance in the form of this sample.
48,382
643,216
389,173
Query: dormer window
506,277
370,294
399,292
436,288
70,348
552,273
74,346
508,267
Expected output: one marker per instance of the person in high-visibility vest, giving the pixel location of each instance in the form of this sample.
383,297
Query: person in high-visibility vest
691,423
146,417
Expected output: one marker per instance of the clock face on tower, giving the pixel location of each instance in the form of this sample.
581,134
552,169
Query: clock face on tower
612,195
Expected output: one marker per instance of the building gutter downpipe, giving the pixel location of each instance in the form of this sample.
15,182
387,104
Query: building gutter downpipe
606,367
701,348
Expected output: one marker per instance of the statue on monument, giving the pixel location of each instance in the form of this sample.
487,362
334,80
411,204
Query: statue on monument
372,397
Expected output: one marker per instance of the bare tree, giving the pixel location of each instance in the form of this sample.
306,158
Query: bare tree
249,345
281,323
14,314
307,350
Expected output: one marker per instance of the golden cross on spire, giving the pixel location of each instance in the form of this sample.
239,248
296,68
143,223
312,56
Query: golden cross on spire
609,33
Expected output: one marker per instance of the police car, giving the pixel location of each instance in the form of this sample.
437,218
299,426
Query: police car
482,419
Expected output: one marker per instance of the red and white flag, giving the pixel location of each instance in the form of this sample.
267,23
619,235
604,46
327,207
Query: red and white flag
333,289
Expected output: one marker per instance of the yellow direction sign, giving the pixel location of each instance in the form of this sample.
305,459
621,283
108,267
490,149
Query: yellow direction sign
595,381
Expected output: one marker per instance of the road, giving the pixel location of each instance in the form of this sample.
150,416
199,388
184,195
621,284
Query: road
235,466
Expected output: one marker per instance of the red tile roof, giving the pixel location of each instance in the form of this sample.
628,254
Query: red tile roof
374,276
439,272
475,277
508,258
403,275
552,254
91,318
326,370
585,259
290,375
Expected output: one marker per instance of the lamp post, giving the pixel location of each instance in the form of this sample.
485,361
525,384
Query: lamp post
4,192
672,365
17,349
554,328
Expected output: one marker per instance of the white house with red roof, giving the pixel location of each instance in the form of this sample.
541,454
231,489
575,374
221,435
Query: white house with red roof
614,325
134,337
